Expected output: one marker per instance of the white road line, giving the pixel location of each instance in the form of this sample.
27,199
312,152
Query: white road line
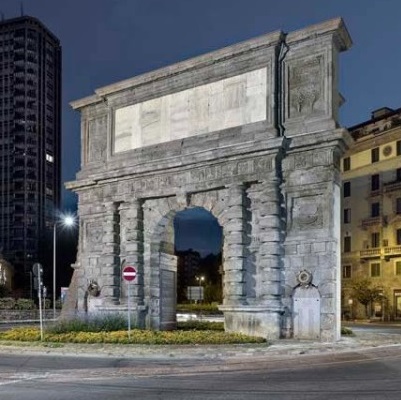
25,377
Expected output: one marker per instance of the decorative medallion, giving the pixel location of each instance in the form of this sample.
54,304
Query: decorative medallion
387,151
304,277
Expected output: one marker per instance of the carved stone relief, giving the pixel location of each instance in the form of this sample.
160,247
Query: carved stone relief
204,174
306,93
307,213
97,139
94,235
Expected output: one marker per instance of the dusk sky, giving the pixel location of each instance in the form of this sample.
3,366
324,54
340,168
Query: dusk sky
105,41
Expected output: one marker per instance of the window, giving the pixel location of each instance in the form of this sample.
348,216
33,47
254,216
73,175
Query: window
49,158
347,271
375,209
347,189
399,148
347,215
398,267
375,155
398,236
398,174
375,270
347,244
346,163
375,239
398,205
375,182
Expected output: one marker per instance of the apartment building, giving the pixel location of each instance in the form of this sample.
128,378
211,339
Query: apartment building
371,214
30,140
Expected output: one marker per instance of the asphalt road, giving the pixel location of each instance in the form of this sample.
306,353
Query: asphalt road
384,328
368,374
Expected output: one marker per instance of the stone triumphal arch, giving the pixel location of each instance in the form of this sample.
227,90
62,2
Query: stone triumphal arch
250,133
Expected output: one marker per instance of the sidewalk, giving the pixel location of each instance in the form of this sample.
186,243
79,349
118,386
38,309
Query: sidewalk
278,349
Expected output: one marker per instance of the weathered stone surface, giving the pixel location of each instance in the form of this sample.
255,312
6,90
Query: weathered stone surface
218,132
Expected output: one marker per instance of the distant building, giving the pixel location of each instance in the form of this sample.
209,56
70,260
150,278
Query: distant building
188,263
30,139
371,213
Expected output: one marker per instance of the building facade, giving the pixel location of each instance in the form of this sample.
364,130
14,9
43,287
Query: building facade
30,139
371,214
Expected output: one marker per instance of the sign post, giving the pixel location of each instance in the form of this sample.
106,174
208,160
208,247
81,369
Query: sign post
129,275
37,270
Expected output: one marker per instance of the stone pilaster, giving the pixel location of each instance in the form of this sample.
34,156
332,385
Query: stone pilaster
270,247
131,226
234,246
110,262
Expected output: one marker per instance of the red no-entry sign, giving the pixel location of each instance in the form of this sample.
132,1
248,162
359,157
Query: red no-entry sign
129,273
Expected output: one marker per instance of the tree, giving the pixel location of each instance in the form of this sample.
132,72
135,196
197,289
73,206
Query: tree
4,291
365,293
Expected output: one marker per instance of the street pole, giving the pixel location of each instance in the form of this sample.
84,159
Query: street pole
129,310
54,270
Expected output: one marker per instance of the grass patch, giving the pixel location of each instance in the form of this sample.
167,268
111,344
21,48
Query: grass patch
113,329
199,308
147,337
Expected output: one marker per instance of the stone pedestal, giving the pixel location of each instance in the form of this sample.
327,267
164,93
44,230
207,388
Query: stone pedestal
253,320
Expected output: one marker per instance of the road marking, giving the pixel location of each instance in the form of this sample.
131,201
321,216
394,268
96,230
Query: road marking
25,377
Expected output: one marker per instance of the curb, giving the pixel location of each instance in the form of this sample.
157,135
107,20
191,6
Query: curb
279,349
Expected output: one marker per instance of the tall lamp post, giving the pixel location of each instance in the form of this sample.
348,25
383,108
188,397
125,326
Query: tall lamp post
200,279
65,221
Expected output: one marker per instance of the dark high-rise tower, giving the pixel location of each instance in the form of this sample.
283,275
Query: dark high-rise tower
30,139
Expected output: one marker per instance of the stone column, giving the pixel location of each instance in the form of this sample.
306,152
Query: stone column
234,246
270,248
131,224
110,255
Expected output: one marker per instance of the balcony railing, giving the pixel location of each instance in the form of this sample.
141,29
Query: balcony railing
371,221
392,186
370,253
392,251
383,252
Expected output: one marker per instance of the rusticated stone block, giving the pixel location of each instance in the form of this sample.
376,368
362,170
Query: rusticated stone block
270,248
319,247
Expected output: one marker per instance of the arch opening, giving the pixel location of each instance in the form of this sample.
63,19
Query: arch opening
198,244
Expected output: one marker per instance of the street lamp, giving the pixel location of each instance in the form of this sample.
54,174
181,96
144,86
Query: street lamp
64,221
200,279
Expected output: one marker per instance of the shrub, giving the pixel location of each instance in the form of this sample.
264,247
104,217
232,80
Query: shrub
46,303
4,291
22,334
101,323
7,303
25,304
346,331
213,293
137,337
200,325
199,308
